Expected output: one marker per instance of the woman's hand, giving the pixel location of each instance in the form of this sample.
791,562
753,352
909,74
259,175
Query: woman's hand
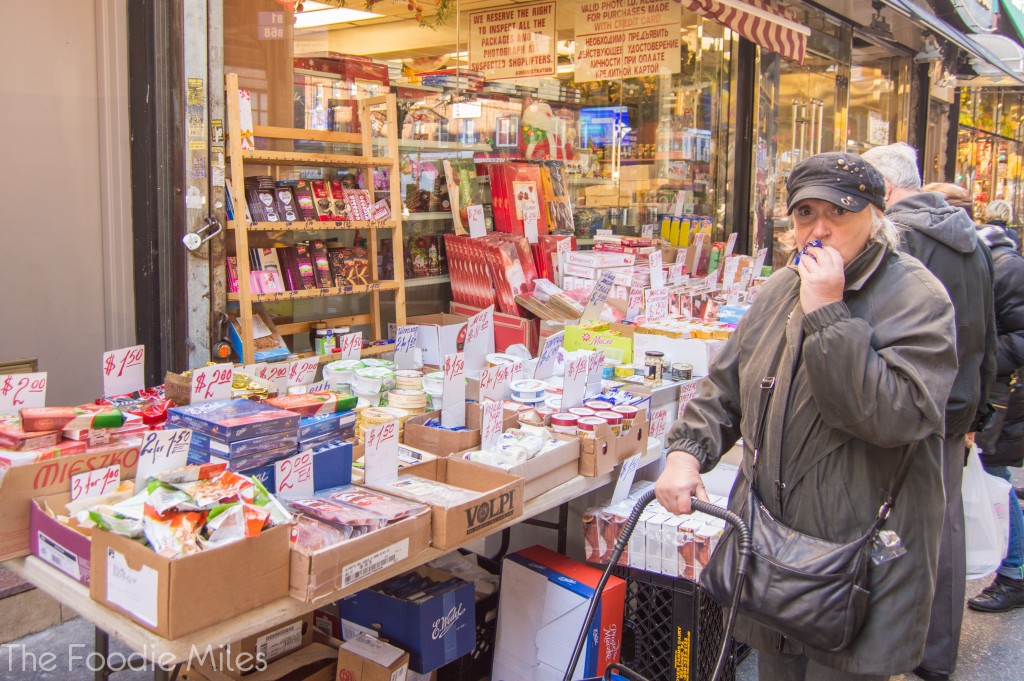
822,278
678,482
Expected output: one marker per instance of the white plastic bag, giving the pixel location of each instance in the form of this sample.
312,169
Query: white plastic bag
986,518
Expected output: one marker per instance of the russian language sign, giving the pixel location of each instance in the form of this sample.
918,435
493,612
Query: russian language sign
627,39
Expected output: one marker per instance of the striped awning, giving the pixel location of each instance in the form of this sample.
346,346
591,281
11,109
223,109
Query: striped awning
765,23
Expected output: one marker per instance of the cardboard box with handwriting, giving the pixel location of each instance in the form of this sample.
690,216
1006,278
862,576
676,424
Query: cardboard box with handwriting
600,454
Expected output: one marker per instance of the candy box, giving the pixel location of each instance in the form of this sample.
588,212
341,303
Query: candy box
326,424
65,547
84,416
14,436
315,403
230,420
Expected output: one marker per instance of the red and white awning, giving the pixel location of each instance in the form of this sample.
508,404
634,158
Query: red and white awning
765,23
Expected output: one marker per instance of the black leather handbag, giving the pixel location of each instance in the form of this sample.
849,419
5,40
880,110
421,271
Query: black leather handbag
808,589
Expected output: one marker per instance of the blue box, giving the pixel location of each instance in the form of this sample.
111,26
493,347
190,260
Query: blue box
434,631
230,420
231,450
271,355
332,467
326,424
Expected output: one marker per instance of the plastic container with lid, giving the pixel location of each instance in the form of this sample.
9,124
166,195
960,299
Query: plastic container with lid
585,426
613,419
564,423
628,413
654,363
409,379
582,412
597,405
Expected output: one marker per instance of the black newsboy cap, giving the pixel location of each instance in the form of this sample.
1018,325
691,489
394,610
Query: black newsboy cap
842,179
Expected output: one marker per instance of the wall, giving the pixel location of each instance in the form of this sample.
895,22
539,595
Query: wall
60,214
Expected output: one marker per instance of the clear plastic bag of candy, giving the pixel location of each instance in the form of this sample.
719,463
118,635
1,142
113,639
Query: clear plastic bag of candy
391,508
359,520
310,535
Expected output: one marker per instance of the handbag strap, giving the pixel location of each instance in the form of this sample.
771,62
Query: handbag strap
885,510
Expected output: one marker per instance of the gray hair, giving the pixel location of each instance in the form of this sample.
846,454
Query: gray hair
998,210
883,231
897,163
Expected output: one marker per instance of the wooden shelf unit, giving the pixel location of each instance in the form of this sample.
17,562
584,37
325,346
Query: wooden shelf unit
240,158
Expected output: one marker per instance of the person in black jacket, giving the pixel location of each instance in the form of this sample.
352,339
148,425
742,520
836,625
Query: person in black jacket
1002,442
943,238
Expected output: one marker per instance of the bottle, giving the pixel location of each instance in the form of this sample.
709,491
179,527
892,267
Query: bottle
320,347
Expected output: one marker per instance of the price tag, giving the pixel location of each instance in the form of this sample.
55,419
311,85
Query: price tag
732,266
303,371
293,476
675,274
680,200
602,288
681,256
276,374
635,304
211,383
406,346
380,457
253,370
687,391
495,382
603,232
661,421
626,474
479,341
762,254
711,281
698,249
657,304
477,225
95,483
531,215
575,380
351,345
548,356
22,390
730,244
735,295
595,364
647,231
564,245
124,370
515,372
317,387
162,450
490,426
657,273
453,400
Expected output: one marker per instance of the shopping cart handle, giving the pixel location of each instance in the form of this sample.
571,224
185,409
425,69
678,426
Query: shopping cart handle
616,671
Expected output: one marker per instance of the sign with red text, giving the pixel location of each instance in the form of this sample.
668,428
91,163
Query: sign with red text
548,357
406,342
657,273
18,391
657,303
675,274
513,41
595,365
211,383
380,454
477,225
626,39
453,395
661,421
730,245
687,391
124,370
277,374
252,370
162,450
479,340
490,425
576,373
635,303
294,476
595,305
495,382
303,371
95,483
626,474
762,255
351,345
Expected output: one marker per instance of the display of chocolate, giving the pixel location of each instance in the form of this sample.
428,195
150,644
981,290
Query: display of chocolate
315,403
326,424
428,491
391,508
352,521
14,436
82,416
229,450
230,420
242,462
27,457
150,405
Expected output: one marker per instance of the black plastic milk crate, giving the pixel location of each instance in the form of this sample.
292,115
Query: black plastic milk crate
672,629
477,664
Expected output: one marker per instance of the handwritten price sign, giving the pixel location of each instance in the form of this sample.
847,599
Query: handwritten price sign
597,297
730,245
494,382
277,374
660,423
687,391
575,381
625,481
163,450
351,345
479,340
22,390
254,370
453,400
380,458
124,370
95,483
211,383
635,304
675,274
657,303
490,427
303,371
657,273
595,363
548,356
294,475
406,342
477,225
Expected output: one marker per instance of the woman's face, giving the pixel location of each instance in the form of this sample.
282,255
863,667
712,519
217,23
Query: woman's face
843,230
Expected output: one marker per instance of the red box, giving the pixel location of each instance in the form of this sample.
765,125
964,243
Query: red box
349,67
508,330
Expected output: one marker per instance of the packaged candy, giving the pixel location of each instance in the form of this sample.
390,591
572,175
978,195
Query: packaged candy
180,476
816,243
231,522
106,518
391,508
429,491
175,535
359,520
279,515
309,534
226,487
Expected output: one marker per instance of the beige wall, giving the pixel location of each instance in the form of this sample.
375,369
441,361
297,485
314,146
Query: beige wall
52,226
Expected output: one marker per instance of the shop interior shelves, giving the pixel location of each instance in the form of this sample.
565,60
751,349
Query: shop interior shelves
427,281
372,287
314,225
76,596
437,215
431,145
304,158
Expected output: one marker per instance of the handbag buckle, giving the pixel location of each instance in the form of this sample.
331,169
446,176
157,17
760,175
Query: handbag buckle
885,510
767,383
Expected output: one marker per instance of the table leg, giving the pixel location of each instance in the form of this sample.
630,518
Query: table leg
563,527
101,645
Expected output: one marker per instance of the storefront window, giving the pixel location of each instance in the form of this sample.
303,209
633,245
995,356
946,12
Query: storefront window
990,148
875,99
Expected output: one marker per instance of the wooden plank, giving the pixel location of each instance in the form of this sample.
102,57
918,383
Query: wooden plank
277,132
304,327
299,158
313,225
397,242
237,174
387,285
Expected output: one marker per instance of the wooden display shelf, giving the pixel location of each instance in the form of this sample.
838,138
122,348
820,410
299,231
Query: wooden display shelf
303,158
314,225
306,135
387,285
292,328
427,281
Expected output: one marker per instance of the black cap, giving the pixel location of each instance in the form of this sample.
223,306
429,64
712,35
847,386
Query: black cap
845,180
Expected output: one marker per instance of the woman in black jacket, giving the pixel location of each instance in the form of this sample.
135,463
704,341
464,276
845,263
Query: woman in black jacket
998,213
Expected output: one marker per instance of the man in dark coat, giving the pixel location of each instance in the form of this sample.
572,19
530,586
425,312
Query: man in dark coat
943,238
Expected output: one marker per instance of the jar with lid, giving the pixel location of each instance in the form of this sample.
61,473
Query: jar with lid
654,362
324,344
313,328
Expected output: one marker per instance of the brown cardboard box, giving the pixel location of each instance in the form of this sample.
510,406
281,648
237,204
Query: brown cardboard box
65,547
315,662
475,412
314,577
599,455
407,456
274,643
177,597
20,484
548,470
365,658
502,499
435,440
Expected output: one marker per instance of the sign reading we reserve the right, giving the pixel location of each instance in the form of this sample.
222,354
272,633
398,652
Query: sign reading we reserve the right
627,39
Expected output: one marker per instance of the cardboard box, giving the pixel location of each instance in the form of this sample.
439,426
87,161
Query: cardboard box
315,662
65,548
475,412
548,470
274,643
438,335
508,330
614,345
365,658
600,454
316,576
436,440
501,501
549,595
434,630
177,597
21,484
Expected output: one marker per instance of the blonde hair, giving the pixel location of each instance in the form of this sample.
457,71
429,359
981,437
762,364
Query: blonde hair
883,231
955,195
998,210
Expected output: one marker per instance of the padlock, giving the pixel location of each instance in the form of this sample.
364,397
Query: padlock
193,240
